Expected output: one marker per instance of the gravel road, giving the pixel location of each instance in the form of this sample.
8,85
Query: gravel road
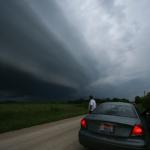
59,135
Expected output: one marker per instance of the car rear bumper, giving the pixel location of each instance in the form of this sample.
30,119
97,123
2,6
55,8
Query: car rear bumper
88,139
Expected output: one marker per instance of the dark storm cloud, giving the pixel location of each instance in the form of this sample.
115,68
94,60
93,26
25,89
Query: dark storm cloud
17,83
74,48
39,59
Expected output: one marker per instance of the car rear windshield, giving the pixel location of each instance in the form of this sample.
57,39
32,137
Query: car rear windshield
116,110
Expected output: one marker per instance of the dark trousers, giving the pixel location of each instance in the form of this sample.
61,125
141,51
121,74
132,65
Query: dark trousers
90,111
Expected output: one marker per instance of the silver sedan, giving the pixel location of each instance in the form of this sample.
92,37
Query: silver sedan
114,125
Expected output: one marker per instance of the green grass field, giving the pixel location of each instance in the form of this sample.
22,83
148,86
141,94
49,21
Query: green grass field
20,115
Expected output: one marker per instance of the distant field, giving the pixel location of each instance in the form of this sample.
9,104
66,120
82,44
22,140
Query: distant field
20,115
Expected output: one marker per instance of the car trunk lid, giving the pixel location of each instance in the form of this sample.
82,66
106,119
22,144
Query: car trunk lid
111,125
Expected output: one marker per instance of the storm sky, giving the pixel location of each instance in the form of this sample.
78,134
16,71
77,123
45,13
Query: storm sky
75,48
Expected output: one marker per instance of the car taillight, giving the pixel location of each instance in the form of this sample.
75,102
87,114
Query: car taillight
83,123
137,130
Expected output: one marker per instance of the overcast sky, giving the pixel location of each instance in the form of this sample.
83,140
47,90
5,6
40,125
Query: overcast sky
75,48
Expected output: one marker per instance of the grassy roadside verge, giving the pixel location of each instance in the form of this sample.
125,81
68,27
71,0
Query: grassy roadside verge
140,107
21,115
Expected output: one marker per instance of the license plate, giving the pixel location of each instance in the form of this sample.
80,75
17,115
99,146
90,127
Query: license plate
105,127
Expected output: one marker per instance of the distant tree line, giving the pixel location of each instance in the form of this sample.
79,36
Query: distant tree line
143,100
98,100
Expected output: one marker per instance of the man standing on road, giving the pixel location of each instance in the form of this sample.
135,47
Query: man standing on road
92,104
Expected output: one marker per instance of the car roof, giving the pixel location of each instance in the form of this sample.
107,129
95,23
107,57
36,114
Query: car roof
119,103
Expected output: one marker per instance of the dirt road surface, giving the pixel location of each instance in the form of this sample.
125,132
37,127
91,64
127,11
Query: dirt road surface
60,135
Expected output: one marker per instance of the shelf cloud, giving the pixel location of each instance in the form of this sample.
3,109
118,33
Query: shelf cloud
74,48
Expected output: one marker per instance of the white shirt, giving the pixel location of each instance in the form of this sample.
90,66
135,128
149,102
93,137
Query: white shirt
92,103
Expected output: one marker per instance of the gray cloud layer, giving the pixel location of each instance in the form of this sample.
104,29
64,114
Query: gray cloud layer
92,46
